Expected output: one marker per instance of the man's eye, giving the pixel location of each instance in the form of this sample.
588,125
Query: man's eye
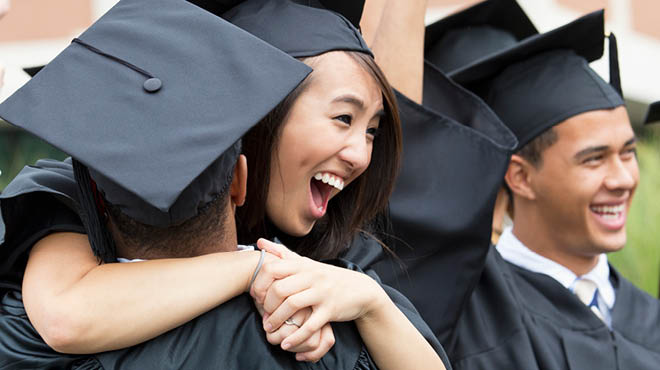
347,119
593,159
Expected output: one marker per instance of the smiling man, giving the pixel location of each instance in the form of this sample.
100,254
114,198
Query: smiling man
547,297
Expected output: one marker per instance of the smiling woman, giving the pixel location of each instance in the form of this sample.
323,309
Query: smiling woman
324,139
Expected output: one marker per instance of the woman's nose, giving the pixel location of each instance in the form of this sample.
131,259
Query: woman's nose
356,152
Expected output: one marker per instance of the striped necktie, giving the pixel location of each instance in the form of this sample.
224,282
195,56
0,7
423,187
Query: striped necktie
587,291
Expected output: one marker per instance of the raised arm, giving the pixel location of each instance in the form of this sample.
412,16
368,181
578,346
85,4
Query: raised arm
338,294
394,30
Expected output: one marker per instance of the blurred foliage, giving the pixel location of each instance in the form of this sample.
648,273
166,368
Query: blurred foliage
639,261
17,149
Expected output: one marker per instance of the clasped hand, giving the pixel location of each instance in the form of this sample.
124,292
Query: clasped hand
311,294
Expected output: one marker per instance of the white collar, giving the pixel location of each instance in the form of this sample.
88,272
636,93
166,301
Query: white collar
240,247
515,252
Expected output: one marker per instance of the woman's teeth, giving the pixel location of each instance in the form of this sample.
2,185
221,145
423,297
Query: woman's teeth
332,180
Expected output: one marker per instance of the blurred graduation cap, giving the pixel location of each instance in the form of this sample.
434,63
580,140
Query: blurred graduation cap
653,114
32,70
302,28
152,100
545,78
454,42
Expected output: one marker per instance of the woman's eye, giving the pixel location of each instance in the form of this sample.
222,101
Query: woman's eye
373,131
347,119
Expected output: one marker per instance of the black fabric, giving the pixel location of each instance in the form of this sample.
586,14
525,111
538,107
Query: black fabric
517,319
535,94
125,128
21,347
229,336
455,154
298,30
653,113
36,203
458,40
585,36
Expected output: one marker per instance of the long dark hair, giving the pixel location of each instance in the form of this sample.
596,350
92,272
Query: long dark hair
352,208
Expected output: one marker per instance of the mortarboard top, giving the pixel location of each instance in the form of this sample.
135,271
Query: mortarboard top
153,98
300,30
464,37
546,79
653,113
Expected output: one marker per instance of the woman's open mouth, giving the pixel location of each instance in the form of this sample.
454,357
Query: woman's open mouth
321,185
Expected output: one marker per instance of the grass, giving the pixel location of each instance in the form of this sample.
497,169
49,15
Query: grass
639,261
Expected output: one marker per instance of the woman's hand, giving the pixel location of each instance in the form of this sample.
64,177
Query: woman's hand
311,349
314,347
286,286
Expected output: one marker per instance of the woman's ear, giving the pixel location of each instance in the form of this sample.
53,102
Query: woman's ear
238,189
519,177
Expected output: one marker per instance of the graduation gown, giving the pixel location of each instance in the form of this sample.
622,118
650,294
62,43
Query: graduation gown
488,313
41,199
456,151
518,319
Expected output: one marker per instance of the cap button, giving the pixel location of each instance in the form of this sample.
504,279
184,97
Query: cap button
152,85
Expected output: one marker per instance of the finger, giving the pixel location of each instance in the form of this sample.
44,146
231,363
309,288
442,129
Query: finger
308,345
270,271
291,305
276,337
327,340
275,248
279,290
313,324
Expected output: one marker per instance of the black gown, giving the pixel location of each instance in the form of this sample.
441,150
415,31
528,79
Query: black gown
41,200
486,312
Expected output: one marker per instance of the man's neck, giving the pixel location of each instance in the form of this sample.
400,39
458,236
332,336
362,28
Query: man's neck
541,240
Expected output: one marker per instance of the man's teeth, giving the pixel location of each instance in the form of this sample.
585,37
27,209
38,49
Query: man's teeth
609,212
332,180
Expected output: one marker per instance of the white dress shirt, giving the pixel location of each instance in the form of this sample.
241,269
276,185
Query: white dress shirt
515,252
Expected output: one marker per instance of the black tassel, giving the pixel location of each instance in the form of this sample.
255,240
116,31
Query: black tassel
615,77
98,234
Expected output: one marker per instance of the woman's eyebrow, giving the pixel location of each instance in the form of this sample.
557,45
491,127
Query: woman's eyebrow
350,99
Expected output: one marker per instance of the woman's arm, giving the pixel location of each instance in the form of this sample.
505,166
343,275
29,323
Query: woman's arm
394,30
337,294
79,306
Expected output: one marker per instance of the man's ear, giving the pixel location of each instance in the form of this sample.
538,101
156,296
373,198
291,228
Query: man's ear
238,189
519,177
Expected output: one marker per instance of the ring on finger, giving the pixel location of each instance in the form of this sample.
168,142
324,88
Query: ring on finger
290,321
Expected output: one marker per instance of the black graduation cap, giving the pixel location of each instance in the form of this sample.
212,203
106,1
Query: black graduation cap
456,41
545,79
302,28
153,99
653,114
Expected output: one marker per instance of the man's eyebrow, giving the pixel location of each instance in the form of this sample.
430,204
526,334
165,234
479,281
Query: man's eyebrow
590,150
601,148
631,141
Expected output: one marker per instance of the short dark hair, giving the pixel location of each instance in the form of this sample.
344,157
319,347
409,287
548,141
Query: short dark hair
354,207
181,240
533,151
